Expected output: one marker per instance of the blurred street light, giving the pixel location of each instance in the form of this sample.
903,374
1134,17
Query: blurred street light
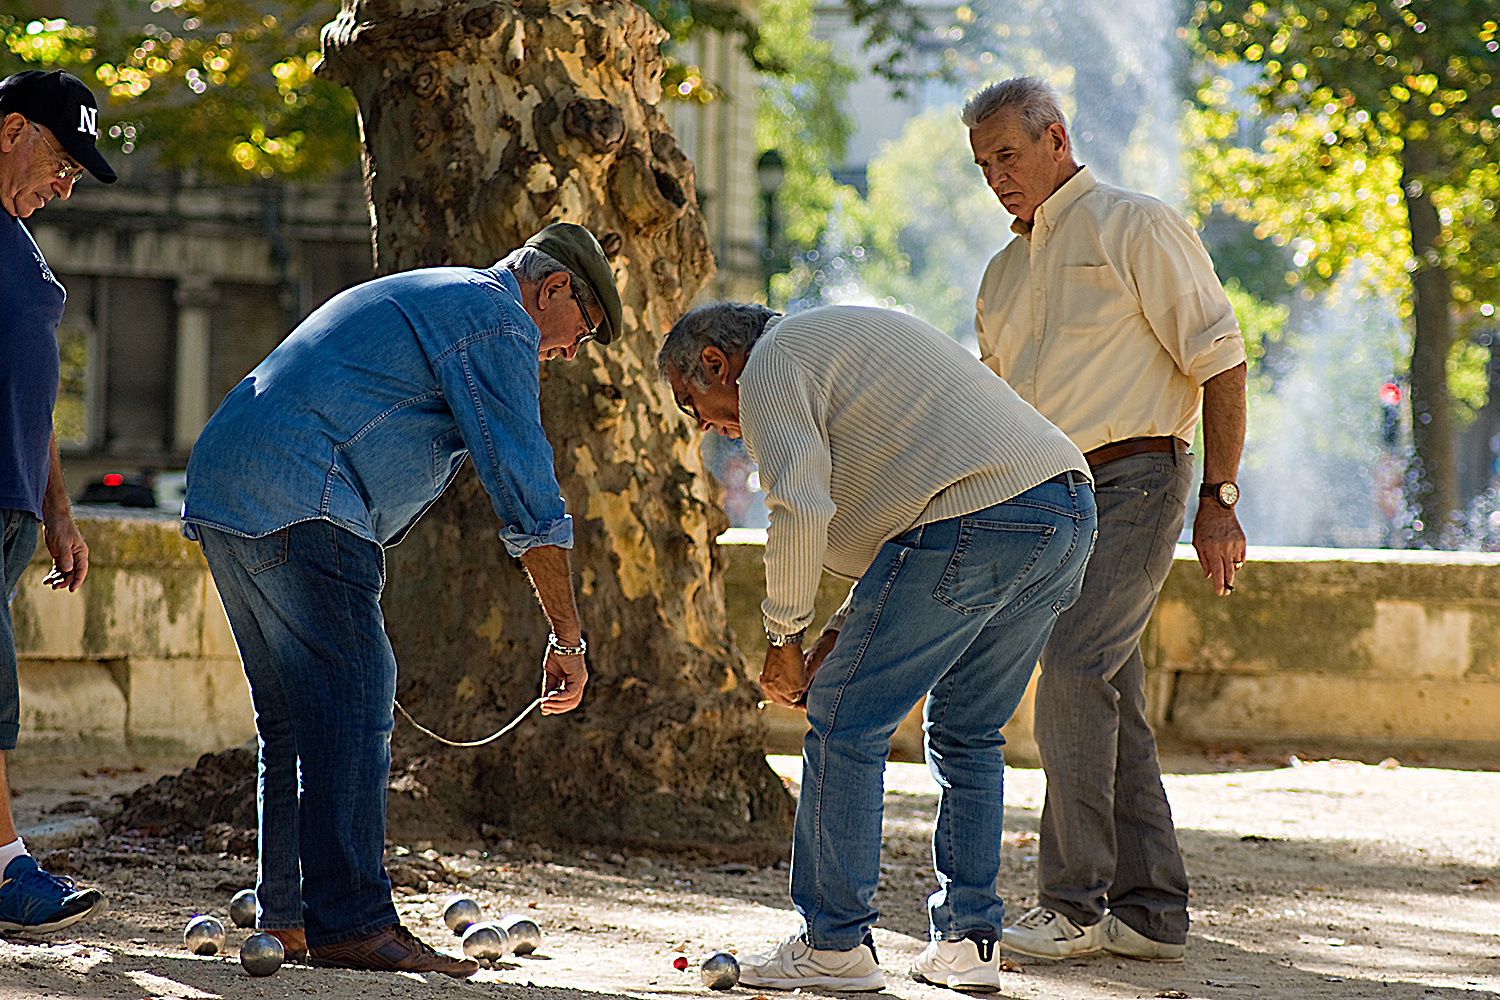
770,172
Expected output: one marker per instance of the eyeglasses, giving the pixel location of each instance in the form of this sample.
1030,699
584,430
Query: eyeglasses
592,328
68,171
689,409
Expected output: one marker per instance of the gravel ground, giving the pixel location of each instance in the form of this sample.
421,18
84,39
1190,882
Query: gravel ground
1327,879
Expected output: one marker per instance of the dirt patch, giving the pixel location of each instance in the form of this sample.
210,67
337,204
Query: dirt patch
1328,879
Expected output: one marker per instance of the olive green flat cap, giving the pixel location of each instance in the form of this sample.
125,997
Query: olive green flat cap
575,247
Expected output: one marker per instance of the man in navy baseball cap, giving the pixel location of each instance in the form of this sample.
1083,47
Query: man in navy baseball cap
48,123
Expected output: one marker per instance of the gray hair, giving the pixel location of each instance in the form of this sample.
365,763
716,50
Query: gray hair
531,267
1035,101
732,327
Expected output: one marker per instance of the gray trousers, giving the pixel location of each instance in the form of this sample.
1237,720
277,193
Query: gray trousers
1107,835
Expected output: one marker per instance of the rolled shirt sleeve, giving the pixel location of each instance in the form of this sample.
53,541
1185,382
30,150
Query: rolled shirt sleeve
786,438
492,385
1183,301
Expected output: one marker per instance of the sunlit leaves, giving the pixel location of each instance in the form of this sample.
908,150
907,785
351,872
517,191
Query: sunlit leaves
1354,82
53,43
223,87
799,115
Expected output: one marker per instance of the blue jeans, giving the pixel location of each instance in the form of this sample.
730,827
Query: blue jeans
1107,834
958,611
304,603
18,535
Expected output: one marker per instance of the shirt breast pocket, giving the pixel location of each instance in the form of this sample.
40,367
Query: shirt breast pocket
1091,298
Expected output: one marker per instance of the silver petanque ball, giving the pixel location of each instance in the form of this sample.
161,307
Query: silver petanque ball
242,908
262,954
204,936
525,935
485,940
459,912
721,971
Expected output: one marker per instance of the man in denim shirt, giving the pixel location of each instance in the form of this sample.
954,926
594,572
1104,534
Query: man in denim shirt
327,452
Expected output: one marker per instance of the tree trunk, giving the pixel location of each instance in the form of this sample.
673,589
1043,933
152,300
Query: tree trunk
481,123
1433,478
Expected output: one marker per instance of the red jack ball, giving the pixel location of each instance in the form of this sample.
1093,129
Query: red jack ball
680,962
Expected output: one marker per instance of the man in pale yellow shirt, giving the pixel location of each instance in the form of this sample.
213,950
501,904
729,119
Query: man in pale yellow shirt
1105,314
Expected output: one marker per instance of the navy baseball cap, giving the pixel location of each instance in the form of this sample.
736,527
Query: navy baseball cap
62,103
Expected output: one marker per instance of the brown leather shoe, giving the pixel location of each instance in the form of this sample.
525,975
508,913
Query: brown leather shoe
393,949
293,942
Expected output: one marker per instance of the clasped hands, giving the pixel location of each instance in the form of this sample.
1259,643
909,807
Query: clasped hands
789,670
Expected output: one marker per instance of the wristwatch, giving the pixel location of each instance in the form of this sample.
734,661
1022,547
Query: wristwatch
776,639
1227,494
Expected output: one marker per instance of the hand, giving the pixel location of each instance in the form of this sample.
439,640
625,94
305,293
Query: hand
815,656
1220,543
70,553
566,677
783,677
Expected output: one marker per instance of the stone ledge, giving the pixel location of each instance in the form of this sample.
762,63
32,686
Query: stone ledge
1319,648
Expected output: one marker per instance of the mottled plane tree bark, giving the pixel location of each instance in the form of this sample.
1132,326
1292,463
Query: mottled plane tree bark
481,122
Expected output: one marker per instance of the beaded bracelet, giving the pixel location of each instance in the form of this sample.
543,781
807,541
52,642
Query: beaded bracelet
562,650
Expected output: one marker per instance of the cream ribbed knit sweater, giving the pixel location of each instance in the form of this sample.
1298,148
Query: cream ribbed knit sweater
867,422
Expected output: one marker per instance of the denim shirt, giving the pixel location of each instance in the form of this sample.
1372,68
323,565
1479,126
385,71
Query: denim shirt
365,413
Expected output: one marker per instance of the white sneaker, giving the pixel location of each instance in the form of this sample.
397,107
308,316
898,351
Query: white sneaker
796,964
1122,939
1044,933
971,964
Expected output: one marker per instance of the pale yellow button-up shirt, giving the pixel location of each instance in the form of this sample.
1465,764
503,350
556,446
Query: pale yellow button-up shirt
1107,315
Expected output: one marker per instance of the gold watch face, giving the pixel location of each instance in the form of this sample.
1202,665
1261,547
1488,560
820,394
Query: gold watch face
1229,494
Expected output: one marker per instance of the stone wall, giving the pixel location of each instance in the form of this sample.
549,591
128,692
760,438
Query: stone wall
1322,651
140,658
1352,652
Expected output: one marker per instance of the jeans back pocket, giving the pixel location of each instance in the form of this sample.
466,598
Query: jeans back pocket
991,564
260,554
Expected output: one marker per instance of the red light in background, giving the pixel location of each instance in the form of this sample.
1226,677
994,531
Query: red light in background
114,479
1390,394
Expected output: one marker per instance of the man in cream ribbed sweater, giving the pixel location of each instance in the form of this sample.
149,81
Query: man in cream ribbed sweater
890,456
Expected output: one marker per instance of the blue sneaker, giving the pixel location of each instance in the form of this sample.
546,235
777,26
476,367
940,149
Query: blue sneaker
34,900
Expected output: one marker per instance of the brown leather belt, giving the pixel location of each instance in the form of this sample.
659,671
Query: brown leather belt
1116,450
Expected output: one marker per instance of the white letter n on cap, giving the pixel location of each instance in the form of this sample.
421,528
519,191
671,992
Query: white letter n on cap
88,120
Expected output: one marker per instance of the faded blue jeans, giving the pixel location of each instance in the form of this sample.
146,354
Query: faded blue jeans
304,603
1107,835
958,611
17,543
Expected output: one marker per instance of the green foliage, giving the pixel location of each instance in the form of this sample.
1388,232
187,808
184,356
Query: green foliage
71,415
219,86
800,116
1365,119
931,222
1263,324
1239,254
1346,86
